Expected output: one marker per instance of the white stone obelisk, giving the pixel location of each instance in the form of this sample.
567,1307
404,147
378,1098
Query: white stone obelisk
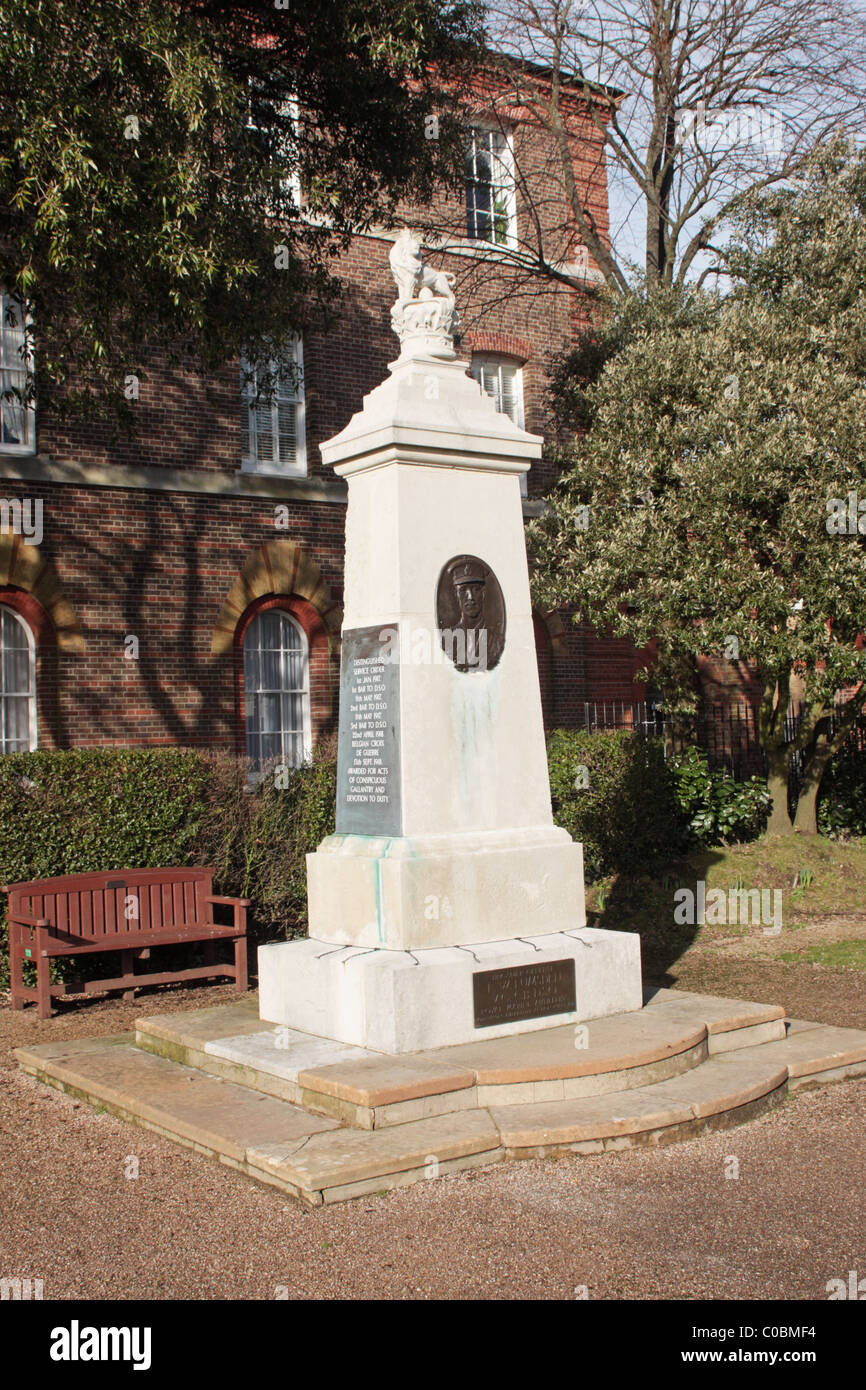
447,906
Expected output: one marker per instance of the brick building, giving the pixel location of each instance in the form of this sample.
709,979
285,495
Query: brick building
184,587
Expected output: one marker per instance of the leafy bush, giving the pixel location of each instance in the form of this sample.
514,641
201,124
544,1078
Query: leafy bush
636,810
715,807
257,840
98,808
842,798
627,815
90,809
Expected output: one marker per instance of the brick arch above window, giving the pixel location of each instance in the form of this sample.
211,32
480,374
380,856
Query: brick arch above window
505,344
26,571
280,568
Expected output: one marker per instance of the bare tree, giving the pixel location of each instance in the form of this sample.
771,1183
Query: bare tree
686,105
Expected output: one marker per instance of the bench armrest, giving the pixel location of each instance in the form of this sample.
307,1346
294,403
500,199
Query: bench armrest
240,906
21,921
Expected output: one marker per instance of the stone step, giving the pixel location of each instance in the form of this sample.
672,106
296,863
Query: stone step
730,1087
315,1158
674,1032
816,1053
308,1156
730,1023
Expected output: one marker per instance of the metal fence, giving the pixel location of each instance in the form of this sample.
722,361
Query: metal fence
728,734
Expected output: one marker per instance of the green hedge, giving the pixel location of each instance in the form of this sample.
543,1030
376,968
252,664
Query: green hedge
90,809
257,841
627,815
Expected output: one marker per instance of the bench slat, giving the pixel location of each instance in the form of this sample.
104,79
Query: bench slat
86,899
204,931
143,895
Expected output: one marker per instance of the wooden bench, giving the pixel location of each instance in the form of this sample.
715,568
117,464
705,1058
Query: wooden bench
130,910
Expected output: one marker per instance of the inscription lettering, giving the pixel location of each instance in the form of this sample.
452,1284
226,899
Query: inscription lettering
368,772
523,991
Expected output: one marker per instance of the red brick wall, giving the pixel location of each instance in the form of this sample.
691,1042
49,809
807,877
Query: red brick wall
158,565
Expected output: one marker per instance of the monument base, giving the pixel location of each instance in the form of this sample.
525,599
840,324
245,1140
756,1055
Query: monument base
408,1001
418,892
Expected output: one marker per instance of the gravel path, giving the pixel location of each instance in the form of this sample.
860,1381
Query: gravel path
649,1224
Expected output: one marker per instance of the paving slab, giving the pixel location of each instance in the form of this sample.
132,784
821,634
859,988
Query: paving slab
617,1043
286,1053
349,1156
553,1123
380,1080
74,1047
718,1014
195,1027
725,1082
217,1115
812,1048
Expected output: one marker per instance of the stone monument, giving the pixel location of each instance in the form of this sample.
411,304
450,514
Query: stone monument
447,906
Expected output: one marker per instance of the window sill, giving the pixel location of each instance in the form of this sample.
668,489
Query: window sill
247,470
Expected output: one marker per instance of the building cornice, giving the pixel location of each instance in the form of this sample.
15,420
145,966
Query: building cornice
41,468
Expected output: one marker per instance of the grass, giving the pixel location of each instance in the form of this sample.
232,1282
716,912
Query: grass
836,955
818,878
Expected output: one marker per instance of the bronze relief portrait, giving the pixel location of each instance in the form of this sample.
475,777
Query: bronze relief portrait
470,614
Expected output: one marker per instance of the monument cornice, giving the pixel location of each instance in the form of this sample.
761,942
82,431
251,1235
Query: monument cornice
386,447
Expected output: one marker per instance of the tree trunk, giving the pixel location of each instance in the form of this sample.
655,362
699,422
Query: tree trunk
779,822
806,817
822,752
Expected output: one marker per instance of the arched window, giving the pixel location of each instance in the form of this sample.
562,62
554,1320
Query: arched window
277,689
17,684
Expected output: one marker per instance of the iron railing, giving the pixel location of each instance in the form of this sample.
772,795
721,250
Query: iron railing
728,734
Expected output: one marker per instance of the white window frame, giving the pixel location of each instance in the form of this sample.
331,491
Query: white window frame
290,108
307,731
287,393
488,128
32,728
29,447
501,360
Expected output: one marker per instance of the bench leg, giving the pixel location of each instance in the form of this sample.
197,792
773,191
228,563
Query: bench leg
127,967
241,981
16,965
43,986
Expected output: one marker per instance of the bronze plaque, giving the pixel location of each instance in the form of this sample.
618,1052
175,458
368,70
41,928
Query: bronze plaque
523,991
470,614
368,750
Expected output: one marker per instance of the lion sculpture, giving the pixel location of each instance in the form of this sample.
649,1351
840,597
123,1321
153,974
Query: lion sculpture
413,277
